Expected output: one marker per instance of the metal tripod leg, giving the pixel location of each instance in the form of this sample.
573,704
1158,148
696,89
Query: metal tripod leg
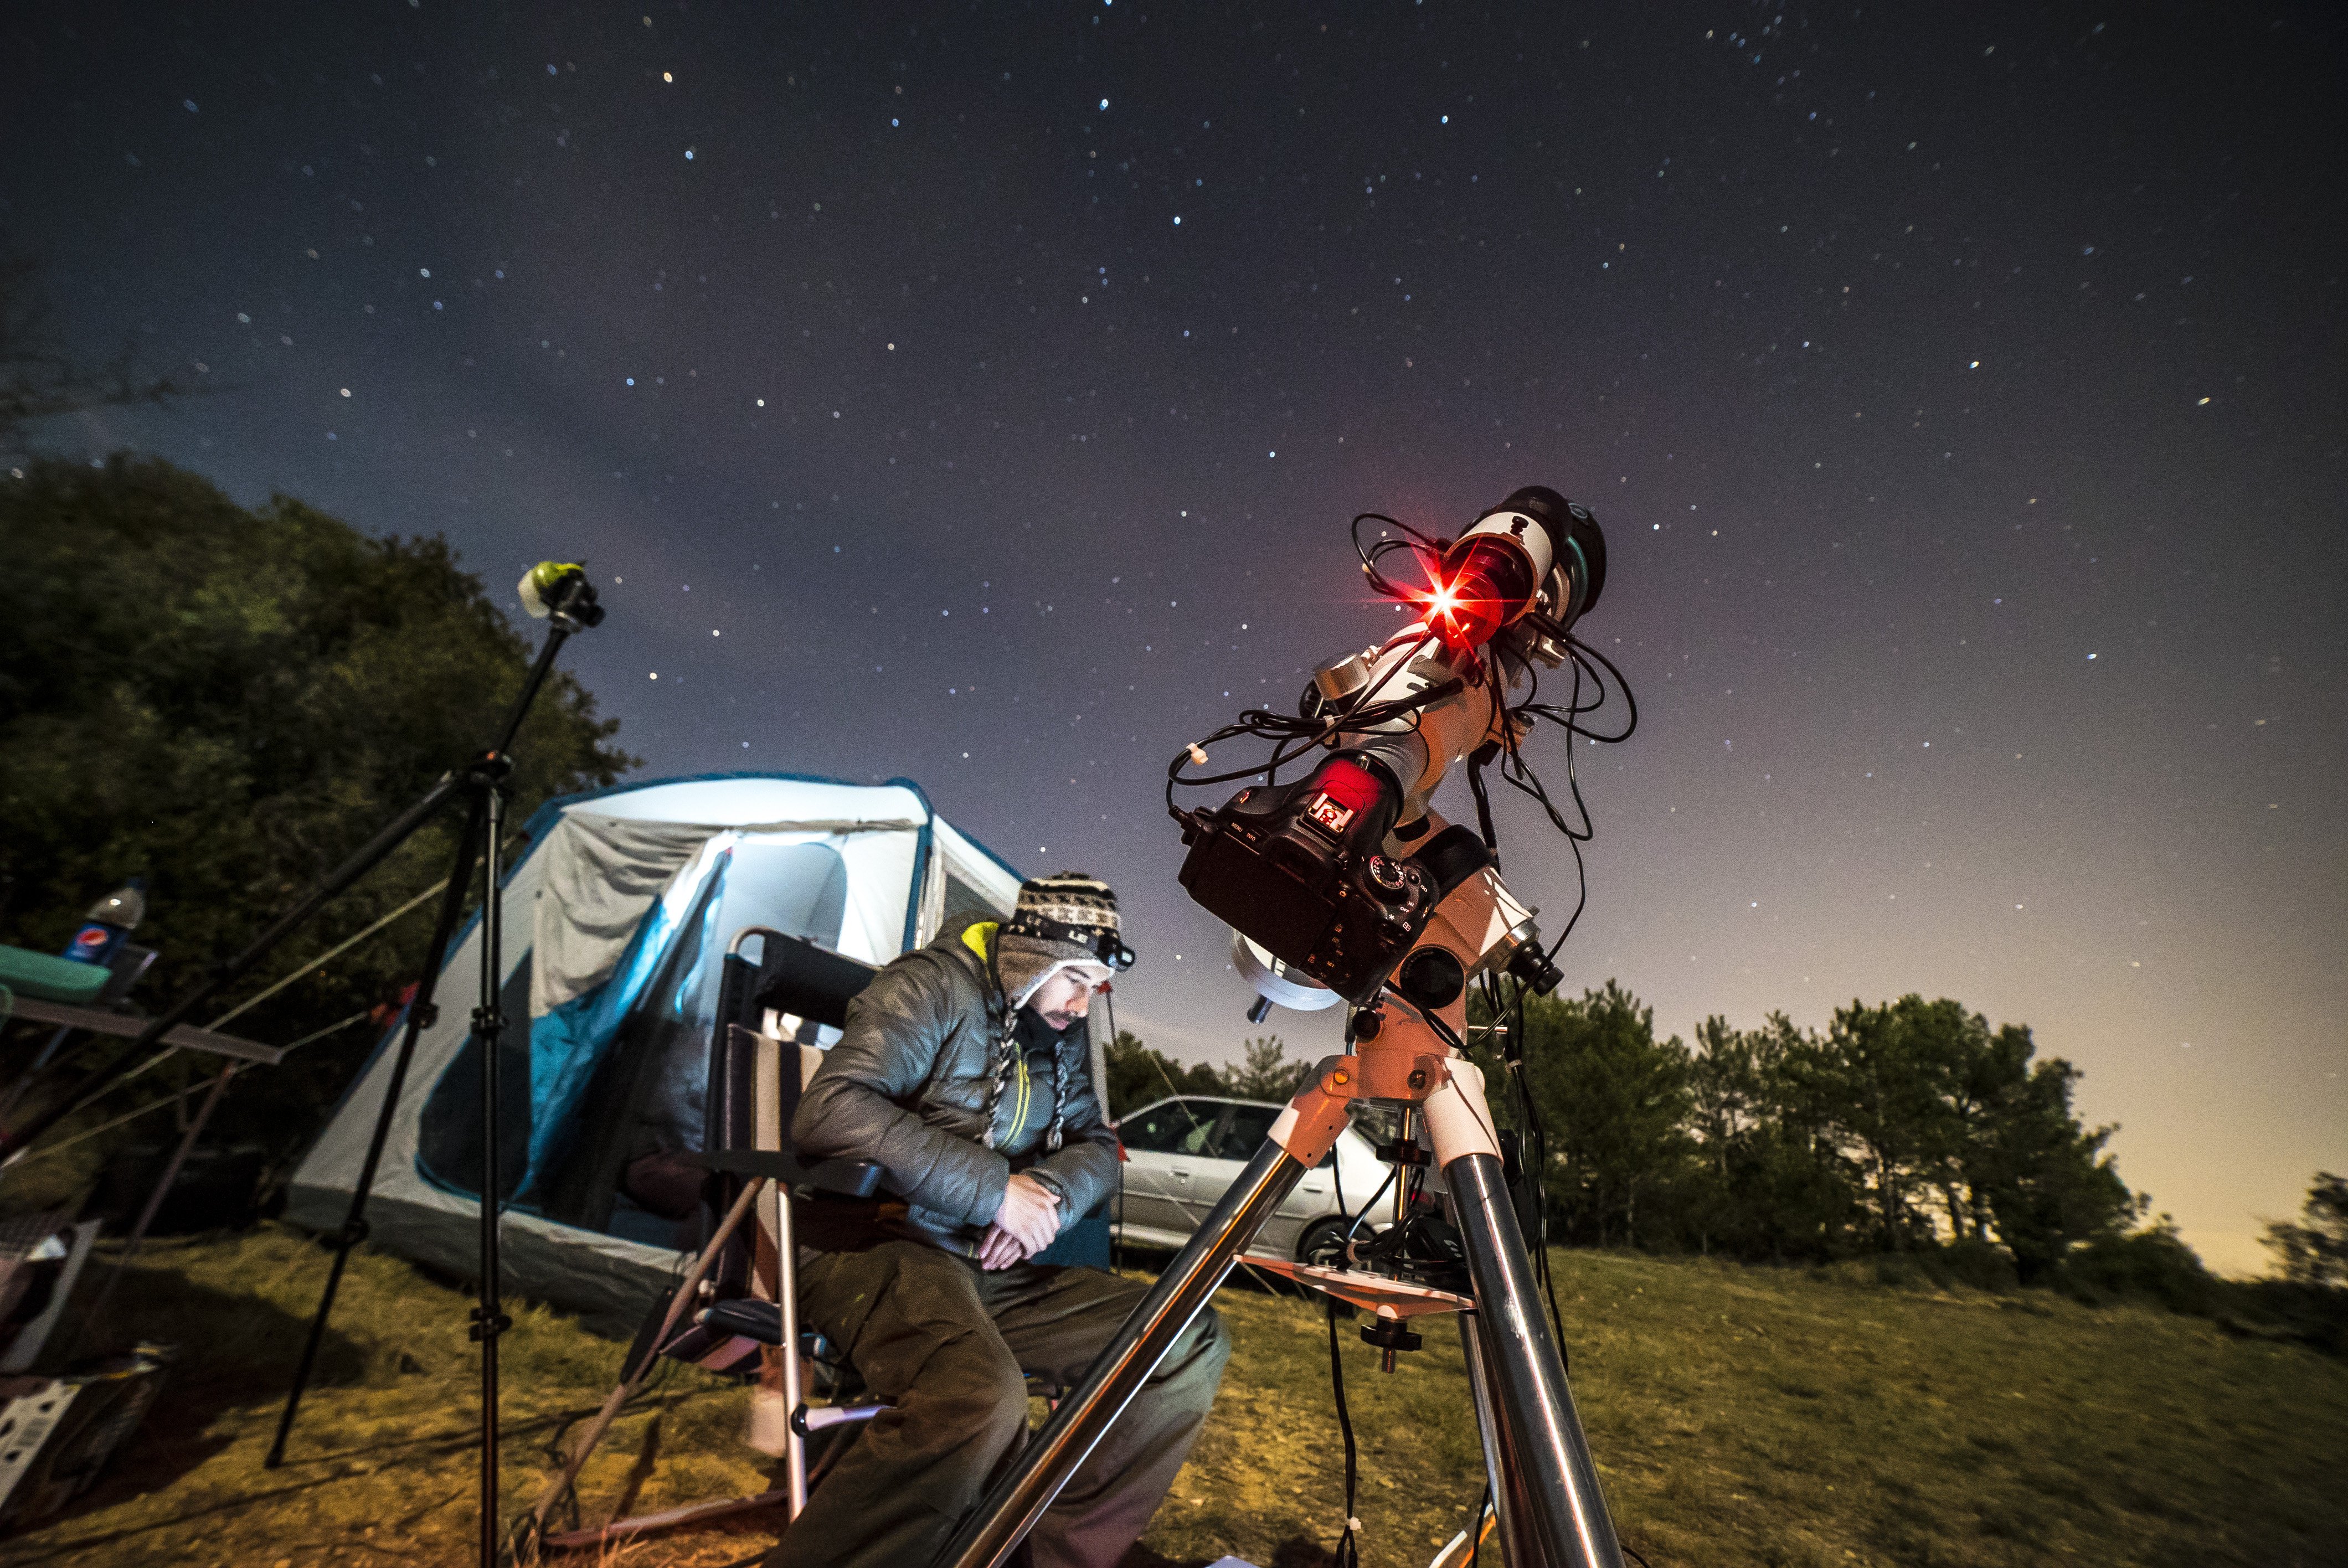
1546,1479
1508,1501
354,1231
488,1028
1551,1481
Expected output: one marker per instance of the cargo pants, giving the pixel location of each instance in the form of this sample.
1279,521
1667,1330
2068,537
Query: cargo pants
946,1344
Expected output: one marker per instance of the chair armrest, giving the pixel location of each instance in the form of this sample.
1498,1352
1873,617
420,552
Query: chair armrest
846,1178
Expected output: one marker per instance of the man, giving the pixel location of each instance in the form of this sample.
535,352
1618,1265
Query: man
964,1072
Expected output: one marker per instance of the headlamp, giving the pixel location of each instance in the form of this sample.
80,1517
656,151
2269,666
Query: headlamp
1108,948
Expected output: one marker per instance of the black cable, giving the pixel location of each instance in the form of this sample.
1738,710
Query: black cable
1580,899
1483,803
1117,1233
1347,1554
1475,1525
1370,555
1536,1169
1355,704
1295,735
1355,1224
1584,651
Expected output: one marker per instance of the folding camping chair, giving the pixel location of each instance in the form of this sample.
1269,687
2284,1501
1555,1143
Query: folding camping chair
758,1067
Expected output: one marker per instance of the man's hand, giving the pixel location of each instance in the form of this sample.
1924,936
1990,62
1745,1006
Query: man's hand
998,1250
1024,1224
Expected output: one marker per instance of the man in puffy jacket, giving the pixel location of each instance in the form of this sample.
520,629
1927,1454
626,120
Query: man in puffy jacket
964,1072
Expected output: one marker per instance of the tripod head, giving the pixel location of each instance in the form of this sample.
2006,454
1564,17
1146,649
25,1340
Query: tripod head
560,592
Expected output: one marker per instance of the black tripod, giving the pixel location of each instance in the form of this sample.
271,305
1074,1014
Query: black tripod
569,602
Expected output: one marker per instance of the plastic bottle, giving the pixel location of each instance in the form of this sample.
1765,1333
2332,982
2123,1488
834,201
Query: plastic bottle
109,921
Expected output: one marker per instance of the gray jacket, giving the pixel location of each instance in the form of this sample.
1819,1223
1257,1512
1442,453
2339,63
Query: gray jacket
907,1088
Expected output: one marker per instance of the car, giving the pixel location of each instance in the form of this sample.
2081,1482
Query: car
1180,1153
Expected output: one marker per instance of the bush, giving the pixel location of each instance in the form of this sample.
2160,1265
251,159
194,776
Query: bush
231,700
1968,1264
2153,1263
2309,1314
1973,1262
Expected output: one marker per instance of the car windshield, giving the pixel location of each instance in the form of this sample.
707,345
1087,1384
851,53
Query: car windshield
1177,1127
1245,1133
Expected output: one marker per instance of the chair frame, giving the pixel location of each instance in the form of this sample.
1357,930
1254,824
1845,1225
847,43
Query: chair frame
752,1173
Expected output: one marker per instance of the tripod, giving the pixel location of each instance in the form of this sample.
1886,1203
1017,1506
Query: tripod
1545,1488
570,605
563,595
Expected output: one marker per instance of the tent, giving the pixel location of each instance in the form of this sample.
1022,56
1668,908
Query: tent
618,913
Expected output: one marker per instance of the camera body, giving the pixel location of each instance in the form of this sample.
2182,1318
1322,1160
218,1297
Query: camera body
1304,870
1338,877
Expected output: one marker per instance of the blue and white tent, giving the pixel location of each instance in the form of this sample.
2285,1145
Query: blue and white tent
617,917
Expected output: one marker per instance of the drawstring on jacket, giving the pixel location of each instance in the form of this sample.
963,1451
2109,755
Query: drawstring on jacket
1003,1055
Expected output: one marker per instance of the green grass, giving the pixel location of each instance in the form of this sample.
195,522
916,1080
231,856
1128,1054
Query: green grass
1740,1417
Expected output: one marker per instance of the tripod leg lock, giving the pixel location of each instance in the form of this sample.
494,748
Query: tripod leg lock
496,1325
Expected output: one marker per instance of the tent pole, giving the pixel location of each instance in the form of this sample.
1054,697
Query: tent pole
421,1014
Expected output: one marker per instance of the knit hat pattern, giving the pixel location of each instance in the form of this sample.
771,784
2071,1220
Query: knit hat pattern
1057,923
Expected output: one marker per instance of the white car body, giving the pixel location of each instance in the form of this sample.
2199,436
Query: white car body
1181,1152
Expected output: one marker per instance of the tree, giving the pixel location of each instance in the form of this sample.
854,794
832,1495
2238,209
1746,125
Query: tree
2315,1251
38,379
1884,1080
1138,1076
1267,1073
2043,1175
229,700
1769,1178
1614,1102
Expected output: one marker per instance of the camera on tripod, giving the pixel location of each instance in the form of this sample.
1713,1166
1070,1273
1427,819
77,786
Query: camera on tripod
1327,874
1301,869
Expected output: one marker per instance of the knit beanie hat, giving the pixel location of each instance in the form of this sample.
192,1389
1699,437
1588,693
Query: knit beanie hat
1070,918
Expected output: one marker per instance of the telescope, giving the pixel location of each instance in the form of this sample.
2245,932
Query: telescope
1344,885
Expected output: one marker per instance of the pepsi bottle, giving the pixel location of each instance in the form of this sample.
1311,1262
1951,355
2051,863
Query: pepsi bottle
109,921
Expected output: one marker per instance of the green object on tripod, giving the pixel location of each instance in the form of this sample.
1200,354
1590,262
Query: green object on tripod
51,979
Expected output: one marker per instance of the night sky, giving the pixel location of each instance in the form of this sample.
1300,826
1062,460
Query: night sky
979,393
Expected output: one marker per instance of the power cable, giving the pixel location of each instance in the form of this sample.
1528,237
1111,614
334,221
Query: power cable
1347,1555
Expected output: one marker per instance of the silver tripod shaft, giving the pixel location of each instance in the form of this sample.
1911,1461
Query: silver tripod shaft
1508,1510
1011,1507
1552,1512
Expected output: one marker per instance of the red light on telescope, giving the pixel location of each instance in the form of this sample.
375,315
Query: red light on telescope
1481,589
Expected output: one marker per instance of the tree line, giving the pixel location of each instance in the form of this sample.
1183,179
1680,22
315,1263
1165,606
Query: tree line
1140,1076
1901,1125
